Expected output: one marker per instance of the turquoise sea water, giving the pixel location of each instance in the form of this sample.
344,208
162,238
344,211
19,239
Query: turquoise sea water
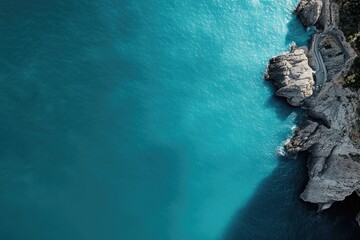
148,120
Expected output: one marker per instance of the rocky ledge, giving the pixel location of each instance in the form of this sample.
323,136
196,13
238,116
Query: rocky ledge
332,135
291,73
334,163
309,11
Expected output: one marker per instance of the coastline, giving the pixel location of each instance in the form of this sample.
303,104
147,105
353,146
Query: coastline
313,78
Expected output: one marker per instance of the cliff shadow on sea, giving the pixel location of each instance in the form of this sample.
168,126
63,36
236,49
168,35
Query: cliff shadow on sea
276,212
277,103
297,33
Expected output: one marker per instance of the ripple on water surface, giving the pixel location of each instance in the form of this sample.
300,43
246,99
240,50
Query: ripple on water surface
141,119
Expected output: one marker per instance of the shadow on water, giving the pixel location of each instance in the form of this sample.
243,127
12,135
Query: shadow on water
277,103
277,212
297,33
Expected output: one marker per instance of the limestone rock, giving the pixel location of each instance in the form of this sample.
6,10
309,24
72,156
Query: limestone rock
335,106
291,73
332,136
340,178
333,56
309,11
334,163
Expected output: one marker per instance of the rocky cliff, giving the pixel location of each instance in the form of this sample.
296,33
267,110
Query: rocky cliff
334,163
309,11
332,135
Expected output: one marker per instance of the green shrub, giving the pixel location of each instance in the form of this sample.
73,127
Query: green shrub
353,78
349,11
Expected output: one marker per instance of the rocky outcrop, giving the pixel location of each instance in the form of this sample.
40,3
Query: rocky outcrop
291,73
332,136
332,54
335,106
334,163
309,11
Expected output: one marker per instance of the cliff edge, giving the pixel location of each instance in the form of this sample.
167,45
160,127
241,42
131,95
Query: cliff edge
332,135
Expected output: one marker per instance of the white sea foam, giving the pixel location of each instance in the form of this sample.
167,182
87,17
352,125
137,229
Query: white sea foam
281,151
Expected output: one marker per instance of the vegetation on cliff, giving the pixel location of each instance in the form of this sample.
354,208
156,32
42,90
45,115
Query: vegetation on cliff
349,22
353,77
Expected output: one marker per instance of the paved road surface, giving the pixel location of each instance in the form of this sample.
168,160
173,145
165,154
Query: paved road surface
321,73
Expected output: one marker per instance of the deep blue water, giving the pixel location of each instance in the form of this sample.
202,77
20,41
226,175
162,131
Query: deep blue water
149,120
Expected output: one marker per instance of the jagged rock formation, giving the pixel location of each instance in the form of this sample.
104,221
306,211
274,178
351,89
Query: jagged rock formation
334,167
332,137
332,55
291,73
309,11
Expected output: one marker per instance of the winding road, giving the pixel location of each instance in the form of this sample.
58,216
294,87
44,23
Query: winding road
321,73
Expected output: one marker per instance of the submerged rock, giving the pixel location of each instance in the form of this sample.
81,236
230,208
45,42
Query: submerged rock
291,73
309,11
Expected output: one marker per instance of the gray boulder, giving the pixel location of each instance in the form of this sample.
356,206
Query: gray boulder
334,163
291,73
309,11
